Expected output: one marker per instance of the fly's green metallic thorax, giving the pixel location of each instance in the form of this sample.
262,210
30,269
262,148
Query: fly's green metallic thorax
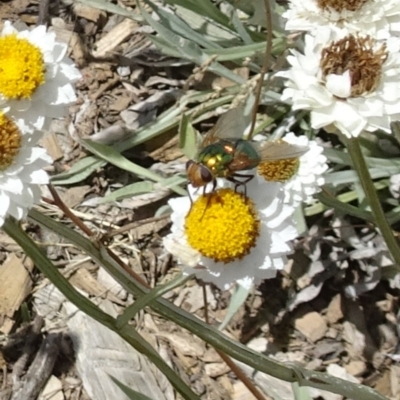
226,155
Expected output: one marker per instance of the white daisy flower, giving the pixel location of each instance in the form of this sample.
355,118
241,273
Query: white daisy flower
21,168
350,83
228,238
36,76
378,18
301,177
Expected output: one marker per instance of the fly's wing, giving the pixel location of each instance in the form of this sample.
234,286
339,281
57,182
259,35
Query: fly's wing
242,162
244,157
230,125
278,150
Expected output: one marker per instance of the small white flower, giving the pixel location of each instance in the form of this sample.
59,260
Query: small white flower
350,83
21,168
378,18
264,257
309,177
36,76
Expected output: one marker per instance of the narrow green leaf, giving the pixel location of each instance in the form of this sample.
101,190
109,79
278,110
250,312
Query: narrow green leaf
300,392
26,316
111,8
393,216
134,189
181,28
213,31
112,156
145,300
205,8
337,156
350,176
287,372
165,47
132,394
298,217
237,52
390,165
190,50
229,54
128,333
14,230
152,130
240,28
378,167
238,298
171,118
175,180
78,172
317,208
347,209
187,138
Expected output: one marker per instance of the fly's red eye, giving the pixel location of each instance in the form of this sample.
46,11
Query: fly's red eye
189,164
206,174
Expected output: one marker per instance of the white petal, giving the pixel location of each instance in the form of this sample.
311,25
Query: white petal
339,85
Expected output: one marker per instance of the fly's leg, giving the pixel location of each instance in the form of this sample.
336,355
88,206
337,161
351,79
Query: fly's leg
214,183
241,180
191,201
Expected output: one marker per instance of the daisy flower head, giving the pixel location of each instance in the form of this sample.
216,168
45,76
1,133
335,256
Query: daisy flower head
378,18
301,177
348,82
21,168
36,76
225,237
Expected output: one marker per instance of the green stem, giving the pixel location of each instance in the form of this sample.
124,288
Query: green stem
354,148
13,229
146,299
289,372
339,204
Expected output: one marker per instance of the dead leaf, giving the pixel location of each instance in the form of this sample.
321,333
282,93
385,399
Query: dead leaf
312,326
15,285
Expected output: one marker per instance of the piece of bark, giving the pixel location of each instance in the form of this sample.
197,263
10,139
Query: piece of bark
52,390
335,312
28,350
106,45
101,353
43,15
52,146
312,326
84,280
15,285
40,370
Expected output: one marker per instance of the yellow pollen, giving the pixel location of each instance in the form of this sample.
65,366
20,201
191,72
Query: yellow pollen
222,225
10,142
361,56
278,170
22,67
340,5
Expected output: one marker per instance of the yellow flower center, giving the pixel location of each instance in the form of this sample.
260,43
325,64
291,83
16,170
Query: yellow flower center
10,142
222,225
340,5
22,67
363,57
278,170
